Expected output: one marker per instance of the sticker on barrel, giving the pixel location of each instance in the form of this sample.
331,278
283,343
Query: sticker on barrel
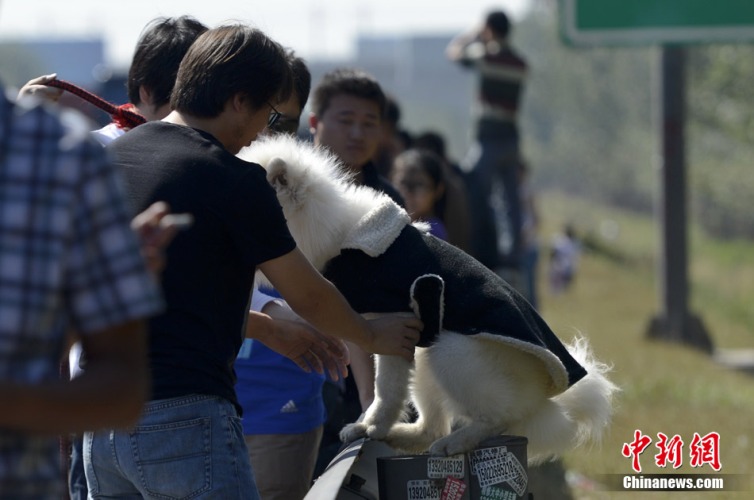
453,489
493,466
442,467
423,489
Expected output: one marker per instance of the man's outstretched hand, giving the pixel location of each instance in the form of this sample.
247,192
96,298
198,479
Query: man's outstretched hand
310,349
395,334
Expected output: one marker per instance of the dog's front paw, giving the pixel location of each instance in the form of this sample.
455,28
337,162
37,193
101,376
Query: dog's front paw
352,432
378,431
448,446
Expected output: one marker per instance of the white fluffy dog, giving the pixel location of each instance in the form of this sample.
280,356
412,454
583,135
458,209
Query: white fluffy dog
487,364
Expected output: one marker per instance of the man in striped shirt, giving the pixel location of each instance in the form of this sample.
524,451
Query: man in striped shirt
490,166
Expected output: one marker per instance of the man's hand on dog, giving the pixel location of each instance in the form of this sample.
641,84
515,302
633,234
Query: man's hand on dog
283,331
395,334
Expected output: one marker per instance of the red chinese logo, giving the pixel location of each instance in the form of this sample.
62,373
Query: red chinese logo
706,450
636,448
703,450
671,450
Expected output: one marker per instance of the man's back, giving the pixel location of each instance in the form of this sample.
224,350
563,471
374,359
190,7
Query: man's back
502,75
210,267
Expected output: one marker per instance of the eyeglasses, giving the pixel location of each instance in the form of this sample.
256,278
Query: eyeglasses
274,115
285,125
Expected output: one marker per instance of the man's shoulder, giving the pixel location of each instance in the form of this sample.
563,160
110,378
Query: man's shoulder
108,133
46,122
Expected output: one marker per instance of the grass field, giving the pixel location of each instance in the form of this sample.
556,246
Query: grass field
666,387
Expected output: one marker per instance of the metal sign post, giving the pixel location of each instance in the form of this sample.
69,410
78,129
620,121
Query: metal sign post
665,23
674,321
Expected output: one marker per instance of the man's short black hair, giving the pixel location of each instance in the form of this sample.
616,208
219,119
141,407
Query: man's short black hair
226,61
159,52
498,22
302,78
302,83
348,81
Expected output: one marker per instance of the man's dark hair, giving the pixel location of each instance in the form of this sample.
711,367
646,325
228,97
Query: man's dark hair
498,22
302,78
228,60
159,51
302,83
348,81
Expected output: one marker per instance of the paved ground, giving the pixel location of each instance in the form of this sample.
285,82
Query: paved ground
738,359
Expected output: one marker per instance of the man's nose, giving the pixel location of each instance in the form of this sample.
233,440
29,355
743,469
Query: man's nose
357,130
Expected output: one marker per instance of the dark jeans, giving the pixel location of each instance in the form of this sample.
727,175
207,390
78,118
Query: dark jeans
491,173
76,476
529,268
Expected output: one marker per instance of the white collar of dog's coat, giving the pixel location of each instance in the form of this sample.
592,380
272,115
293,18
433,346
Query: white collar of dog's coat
378,228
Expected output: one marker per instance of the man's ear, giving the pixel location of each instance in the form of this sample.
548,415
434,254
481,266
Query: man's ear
238,101
145,96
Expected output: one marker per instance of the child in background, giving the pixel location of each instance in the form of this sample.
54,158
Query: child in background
564,258
418,176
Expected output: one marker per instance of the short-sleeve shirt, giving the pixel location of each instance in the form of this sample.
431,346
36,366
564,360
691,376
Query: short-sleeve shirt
68,260
209,273
502,74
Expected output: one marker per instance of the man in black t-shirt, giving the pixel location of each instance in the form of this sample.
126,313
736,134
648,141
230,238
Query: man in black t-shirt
189,441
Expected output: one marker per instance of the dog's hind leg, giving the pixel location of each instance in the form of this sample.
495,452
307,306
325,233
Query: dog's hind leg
432,422
390,394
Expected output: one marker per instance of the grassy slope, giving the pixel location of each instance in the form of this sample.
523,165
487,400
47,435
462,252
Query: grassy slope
666,387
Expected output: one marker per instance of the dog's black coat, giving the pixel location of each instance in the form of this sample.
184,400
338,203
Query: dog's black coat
476,299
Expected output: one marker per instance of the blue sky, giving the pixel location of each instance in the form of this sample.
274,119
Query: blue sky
314,28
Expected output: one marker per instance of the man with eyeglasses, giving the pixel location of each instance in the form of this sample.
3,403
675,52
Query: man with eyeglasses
189,440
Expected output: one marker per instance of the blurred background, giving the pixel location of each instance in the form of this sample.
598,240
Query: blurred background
587,114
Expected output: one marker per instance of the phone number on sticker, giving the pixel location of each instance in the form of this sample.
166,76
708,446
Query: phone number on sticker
443,467
423,489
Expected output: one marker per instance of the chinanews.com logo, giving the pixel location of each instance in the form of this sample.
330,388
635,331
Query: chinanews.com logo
702,453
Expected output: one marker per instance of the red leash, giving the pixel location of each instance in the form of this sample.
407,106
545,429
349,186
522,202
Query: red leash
123,115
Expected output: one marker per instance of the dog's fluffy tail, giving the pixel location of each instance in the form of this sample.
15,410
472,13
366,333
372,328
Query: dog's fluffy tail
579,415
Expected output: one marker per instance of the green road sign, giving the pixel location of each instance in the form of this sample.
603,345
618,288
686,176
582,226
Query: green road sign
633,22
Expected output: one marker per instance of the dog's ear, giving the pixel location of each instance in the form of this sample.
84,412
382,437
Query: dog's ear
278,177
277,173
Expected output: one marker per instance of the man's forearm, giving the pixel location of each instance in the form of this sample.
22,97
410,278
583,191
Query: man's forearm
100,398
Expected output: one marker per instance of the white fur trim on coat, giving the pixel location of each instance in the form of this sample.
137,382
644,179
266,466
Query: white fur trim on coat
378,228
